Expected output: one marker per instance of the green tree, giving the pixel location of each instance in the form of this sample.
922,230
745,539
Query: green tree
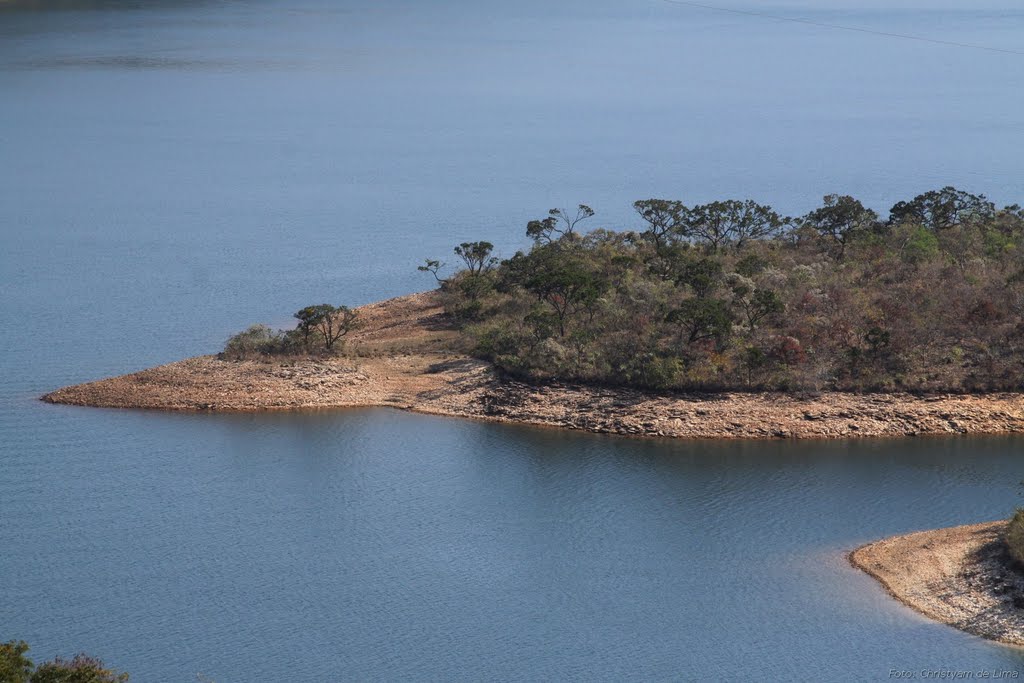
701,275
80,669
943,209
757,304
15,667
733,222
476,256
309,320
560,281
558,222
701,320
433,267
338,322
666,220
840,220
330,322
919,245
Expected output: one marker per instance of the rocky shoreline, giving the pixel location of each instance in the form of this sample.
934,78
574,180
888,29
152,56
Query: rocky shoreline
961,576
406,356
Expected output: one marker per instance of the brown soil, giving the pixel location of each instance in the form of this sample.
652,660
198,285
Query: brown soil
406,355
961,576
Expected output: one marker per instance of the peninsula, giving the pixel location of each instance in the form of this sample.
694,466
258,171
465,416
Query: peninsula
405,354
963,576
719,320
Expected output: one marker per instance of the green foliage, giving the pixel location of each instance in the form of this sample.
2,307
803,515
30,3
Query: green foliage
666,220
840,220
731,295
476,256
751,264
559,223
433,267
318,330
258,340
701,274
701,320
733,222
15,667
329,323
920,245
942,209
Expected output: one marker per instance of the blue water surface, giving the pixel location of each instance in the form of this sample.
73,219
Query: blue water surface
172,171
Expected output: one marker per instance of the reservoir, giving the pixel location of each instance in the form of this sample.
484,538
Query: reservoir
171,172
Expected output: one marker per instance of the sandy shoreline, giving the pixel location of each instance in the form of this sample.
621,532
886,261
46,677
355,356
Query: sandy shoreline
961,576
406,356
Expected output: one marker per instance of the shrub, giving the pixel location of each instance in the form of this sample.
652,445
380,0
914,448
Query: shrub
15,667
258,340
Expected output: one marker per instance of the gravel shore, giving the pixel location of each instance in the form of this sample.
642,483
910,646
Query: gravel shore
961,576
407,356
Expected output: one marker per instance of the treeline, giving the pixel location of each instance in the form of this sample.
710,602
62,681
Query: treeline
732,295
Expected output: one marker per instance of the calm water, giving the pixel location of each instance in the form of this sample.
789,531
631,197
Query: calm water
172,171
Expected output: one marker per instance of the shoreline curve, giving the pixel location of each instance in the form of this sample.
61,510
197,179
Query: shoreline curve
407,355
960,576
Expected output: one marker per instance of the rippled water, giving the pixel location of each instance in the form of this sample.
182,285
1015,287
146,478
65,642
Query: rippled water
172,171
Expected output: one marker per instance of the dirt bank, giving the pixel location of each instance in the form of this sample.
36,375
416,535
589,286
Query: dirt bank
406,356
961,576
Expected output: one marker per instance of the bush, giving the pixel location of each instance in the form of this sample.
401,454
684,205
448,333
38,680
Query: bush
258,340
15,667
1015,536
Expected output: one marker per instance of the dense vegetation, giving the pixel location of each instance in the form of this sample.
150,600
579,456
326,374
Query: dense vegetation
16,667
733,295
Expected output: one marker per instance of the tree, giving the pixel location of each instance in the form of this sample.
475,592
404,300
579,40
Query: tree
562,283
943,209
15,667
840,220
733,222
558,222
476,256
332,322
666,220
431,266
309,319
701,274
756,304
701,320
336,324
80,669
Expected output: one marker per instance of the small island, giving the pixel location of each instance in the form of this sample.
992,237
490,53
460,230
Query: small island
722,320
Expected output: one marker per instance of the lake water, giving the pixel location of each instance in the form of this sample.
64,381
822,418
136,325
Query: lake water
173,171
